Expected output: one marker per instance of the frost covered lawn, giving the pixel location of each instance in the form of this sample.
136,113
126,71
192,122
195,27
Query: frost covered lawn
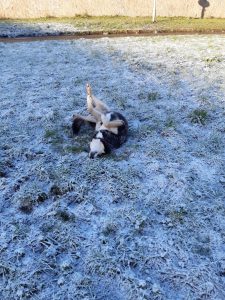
148,221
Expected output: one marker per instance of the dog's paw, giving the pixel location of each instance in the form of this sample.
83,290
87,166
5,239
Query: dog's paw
88,89
120,122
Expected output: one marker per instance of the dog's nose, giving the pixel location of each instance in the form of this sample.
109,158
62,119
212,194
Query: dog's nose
92,154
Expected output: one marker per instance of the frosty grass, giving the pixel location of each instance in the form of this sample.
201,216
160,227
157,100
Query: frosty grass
147,221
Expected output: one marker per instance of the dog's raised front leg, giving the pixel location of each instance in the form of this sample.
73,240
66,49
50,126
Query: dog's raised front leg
111,124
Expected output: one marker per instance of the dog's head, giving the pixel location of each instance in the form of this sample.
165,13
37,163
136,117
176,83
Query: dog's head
98,146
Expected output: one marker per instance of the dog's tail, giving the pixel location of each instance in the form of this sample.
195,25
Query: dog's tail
80,121
76,125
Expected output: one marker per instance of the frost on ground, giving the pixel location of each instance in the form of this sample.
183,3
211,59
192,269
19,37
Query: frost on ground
20,29
146,222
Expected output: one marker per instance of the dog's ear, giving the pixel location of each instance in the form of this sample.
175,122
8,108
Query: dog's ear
77,123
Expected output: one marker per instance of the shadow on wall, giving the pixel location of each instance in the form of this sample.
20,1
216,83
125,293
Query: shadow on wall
203,4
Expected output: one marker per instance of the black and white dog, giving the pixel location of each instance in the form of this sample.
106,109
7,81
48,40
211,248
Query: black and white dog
111,127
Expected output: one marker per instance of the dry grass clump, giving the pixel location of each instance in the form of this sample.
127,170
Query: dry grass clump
199,116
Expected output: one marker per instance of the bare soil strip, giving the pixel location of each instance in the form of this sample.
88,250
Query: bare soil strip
100,34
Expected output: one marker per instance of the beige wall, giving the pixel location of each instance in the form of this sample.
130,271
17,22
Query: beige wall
69,8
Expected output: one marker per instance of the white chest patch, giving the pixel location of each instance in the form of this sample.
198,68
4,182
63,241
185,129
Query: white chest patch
99,135
98,125
108,116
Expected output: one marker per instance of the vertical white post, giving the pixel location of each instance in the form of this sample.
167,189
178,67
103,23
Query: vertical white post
154,12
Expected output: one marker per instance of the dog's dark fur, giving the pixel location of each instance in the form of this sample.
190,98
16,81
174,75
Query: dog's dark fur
111,140
76,125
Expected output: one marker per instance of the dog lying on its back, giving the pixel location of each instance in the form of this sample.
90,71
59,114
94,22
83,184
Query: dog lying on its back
111,127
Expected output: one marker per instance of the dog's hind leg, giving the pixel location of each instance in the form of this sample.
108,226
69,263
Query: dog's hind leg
92,110
95,105
101,106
